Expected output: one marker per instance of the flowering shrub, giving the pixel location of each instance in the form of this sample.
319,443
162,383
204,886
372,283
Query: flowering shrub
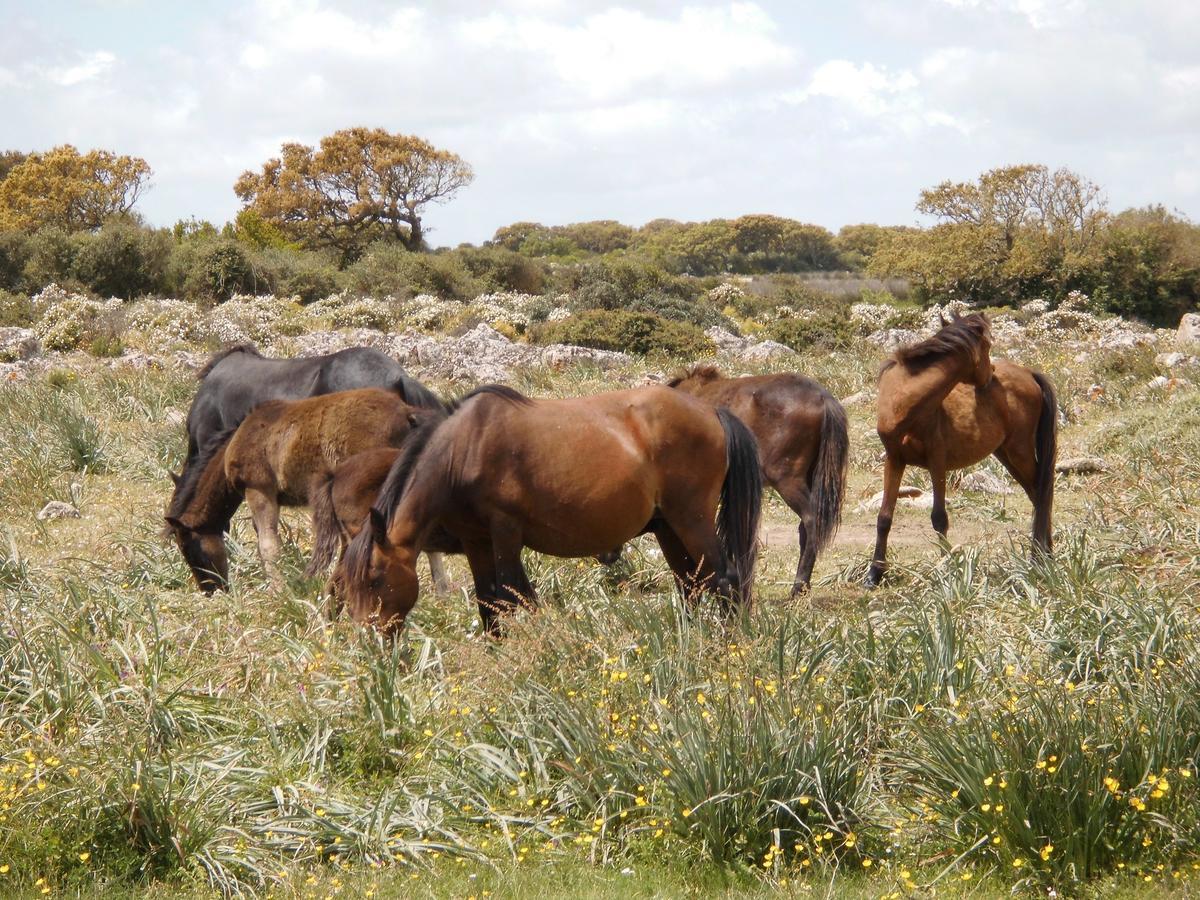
726,294
162,323
71,321
257,320
427,312
343,311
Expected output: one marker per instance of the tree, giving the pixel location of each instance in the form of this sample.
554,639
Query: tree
359,186
70,190
9,160
1018,231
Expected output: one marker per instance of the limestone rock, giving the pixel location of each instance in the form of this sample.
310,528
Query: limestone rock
1189,330
57,509
19,344
985,483
1082,465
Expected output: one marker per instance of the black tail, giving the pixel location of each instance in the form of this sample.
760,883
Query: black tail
416,394
327,535
741,502
1046,454
827,480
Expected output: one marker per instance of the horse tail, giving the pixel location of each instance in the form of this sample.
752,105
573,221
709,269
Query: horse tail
327,535
827,478
416,394
741,501
1045,455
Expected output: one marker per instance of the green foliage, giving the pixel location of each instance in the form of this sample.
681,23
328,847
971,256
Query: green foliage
14,254
51,258
388,269
630,332
298,273
501,269
219,269
122,259
818,332
16,310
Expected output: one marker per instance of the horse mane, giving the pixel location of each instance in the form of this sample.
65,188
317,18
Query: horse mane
704,372
416,394
357,557
216,358
961,335
186,489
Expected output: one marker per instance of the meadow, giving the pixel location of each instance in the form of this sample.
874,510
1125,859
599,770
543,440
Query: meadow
980,725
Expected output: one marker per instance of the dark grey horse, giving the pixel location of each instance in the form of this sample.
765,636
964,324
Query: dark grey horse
237,380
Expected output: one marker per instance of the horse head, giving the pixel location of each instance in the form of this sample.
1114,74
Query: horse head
205,554
377,578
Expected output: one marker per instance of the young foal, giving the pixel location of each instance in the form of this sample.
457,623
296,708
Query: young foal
943,404
273,459
569,478
802,443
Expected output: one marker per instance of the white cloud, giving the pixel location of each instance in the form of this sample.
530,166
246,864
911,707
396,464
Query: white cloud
91,66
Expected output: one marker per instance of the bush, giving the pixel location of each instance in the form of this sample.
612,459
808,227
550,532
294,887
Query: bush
499,269
694,312
387,269
627,331
72,321
14,254
298,273
222,269
122,259
51,258
16,309
824,332
618,284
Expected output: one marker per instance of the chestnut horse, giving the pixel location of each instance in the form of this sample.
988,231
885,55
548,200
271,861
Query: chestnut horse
273,459
943,404
570,478
803,445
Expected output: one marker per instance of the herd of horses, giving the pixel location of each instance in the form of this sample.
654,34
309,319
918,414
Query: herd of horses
389,470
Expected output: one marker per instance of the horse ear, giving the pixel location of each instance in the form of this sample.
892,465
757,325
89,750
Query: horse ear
413,420
174,523
942,316
175,478
378,527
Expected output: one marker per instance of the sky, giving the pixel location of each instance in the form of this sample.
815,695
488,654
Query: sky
569,110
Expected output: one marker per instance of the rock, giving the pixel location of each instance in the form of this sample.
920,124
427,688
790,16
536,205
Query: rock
726,341
56,509
136,359
175,417
985,483
1082,465
1189,330
1158,382
766,350
856,399
1169,361
559,356
909,496
19,344
890,339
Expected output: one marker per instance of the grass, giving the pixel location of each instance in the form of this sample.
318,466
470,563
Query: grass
980,725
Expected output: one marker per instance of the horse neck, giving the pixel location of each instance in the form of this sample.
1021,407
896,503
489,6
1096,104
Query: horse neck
215,500
924,391
422,504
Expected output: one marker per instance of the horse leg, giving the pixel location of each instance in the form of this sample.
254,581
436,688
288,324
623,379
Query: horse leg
699,558
938,516
512,584
1018,458
798,497
437,571
482,562
264,511
893,472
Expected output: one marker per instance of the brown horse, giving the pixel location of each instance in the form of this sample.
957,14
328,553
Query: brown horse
273,459
944,405
569,478
803,445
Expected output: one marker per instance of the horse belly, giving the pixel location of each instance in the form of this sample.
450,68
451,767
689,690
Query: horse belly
971,431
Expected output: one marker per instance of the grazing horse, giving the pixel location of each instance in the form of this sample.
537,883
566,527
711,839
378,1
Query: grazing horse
238,379
275,458
570,478
943,404
802,443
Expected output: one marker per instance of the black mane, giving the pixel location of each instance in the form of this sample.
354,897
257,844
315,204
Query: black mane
961,336
217,357
186,489
358,553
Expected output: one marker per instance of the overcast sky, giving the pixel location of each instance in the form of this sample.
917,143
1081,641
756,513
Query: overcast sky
829,112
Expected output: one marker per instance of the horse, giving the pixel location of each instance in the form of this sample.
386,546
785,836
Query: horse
944,404
803,445
568,478
239,378
274,458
